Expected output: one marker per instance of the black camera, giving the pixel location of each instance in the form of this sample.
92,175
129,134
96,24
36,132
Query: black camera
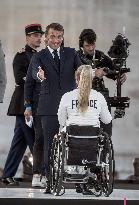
119,52
119,49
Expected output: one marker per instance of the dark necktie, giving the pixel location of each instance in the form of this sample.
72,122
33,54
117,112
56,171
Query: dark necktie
56,59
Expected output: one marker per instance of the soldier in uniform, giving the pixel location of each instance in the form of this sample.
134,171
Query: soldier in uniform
31,99
23,135
89,55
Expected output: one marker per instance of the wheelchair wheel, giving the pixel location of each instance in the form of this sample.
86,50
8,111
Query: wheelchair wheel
107,172
52,162
57,165
112,165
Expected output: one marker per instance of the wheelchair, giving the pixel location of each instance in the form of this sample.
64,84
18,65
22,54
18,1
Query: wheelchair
83,155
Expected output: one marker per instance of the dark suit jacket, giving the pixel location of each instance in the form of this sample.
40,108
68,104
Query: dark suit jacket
31,91
56,84
20,66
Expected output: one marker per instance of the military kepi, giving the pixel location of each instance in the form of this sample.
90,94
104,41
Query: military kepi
33,28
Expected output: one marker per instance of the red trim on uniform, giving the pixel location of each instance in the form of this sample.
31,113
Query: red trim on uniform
32,25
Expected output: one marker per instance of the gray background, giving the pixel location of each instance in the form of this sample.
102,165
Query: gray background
107,18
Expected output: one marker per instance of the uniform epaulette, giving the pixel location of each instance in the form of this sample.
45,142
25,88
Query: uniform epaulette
21,51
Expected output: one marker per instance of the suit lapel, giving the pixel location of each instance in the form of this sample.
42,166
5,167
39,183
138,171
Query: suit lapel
62,60
51,60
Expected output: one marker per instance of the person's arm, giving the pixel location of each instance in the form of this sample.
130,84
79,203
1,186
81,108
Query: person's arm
3,79
28,93
29,86
104,63
109,63
105,115
62,111
20,65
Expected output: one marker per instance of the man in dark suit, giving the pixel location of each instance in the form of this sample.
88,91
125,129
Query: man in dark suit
23,135
55,66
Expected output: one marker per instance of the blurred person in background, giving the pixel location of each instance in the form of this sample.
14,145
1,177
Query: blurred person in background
3,79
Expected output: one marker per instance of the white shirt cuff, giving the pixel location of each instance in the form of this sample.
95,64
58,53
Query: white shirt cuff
39,77
93,72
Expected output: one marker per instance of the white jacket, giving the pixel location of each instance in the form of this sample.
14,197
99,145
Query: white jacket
98,109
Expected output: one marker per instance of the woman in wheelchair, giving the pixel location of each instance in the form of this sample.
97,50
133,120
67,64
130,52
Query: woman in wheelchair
83,107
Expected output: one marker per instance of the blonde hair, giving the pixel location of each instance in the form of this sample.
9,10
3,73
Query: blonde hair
84,77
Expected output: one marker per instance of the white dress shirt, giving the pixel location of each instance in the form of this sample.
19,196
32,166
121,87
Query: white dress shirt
51,51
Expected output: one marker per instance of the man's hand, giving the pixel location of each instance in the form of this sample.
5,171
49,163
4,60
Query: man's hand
100,73
123,78
28,114
41,74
